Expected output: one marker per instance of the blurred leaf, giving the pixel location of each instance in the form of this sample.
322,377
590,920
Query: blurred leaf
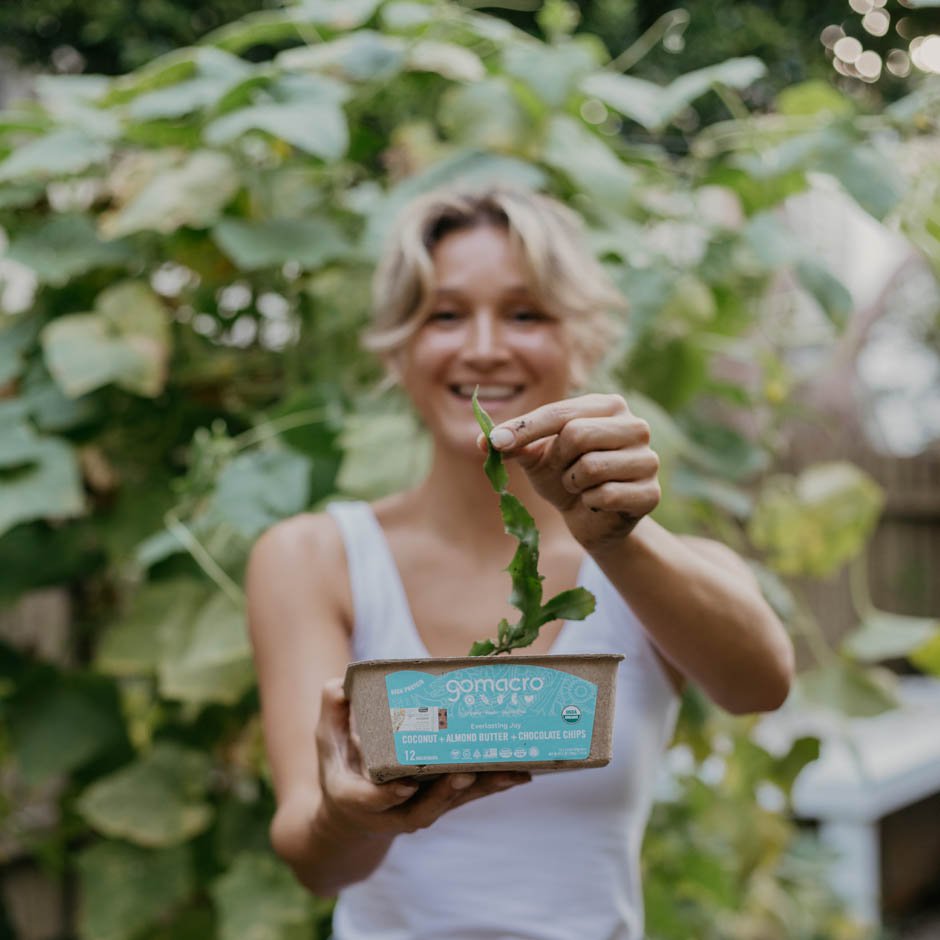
454,62
156,802
634,98
814,523
867,176
927,656
713,491
772,241
848,689
551,71
50,409
61,725
17,337
257,489
485,114
252,245
362,56
124,889
883,635
382,453
192,194
215,664
65,247
125,341
59,153
830,293
258,898
813,98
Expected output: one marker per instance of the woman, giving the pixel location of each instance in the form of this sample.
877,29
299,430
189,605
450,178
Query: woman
495,290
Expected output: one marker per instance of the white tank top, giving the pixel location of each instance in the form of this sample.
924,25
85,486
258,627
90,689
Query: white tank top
553,859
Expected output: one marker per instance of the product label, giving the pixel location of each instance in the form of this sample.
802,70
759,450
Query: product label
491,714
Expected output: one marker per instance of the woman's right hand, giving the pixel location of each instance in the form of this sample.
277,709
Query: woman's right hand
354,804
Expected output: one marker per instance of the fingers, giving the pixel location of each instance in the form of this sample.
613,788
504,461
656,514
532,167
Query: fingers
615,466
550,419
633,500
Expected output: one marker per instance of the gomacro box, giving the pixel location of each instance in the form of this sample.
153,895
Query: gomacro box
417,717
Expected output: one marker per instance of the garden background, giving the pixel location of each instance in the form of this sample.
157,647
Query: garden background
190,209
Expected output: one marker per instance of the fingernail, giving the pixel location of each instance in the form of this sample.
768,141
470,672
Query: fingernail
462,781
405,790
502,437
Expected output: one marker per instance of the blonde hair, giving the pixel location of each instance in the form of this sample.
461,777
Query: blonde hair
566,279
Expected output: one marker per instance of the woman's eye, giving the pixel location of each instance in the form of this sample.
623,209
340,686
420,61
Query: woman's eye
528,316
443,316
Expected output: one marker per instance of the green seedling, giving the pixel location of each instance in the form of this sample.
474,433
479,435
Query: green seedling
526,595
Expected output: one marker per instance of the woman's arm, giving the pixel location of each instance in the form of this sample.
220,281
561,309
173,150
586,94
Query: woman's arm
698,601
333,826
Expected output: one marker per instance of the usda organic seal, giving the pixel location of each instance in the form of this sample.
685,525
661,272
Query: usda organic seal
571,713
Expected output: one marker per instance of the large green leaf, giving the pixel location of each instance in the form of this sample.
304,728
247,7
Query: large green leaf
39,477
868,176
883,635
848,689
256,490
316,127
634,98
485,114
216,73
361,56
215,664
551,71
125,341
259,899
156,802
814,523
17,337
829,292
193,193
589,163
124,889
927,656
65,247
155,626
455,62
311,242
60,725
59,153
50,409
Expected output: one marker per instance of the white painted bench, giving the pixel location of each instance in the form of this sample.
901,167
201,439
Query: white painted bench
868,768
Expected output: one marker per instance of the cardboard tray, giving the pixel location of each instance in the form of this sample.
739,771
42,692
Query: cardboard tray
365,686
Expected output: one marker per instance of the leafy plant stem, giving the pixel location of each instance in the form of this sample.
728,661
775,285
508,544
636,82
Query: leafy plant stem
203,558
673,20
269,429
859,589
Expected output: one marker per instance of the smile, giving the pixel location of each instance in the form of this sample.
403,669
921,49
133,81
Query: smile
487,392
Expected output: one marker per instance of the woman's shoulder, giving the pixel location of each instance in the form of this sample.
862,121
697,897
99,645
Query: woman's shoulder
306,534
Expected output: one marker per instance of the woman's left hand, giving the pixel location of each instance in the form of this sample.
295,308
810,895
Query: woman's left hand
590,457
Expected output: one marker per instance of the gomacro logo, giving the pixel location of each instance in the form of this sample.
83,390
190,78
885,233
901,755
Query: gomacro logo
500,686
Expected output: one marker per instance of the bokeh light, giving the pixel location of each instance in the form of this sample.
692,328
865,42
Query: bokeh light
848,49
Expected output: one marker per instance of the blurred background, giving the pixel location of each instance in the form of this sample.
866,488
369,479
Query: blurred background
191,201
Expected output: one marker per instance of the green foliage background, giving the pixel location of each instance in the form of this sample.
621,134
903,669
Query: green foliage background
185,269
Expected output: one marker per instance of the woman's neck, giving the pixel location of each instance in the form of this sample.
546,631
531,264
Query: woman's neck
457,500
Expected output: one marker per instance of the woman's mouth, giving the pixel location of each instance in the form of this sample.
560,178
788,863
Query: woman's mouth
487,393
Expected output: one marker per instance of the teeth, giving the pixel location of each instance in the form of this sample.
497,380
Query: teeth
487,391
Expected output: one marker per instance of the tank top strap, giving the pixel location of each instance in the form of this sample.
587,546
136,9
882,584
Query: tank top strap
382,623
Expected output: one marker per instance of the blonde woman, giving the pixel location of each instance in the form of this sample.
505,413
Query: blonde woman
494,289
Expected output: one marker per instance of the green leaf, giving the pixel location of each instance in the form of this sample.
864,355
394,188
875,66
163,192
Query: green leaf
316,127
49,407
454,62
927,656
847,689
259,899
813,98
156,802
494,468
551,71
868,176
830,293
58,727
311,242
883,635
124,889
589,163
17,338
40,478
255,490
125,341
61,153
574,604
814,523
192,194
634,98
382,453
482,648
487,115
65,247
361,56
155,626
215,665
772,242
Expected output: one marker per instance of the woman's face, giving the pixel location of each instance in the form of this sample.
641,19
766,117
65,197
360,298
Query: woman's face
484,328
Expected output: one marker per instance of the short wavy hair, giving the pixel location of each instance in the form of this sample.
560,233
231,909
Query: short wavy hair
566,279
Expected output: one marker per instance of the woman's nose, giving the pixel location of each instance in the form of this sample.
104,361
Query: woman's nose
485,339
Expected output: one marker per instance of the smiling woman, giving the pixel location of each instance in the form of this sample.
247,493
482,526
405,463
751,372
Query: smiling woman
494,289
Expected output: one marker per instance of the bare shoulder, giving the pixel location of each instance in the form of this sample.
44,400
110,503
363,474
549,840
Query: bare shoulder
300,560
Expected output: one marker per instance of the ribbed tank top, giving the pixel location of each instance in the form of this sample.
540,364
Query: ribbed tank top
553,859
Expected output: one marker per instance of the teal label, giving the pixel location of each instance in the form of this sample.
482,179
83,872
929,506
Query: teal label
491,714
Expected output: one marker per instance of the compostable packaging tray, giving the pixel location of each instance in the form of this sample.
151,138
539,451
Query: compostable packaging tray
418,717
